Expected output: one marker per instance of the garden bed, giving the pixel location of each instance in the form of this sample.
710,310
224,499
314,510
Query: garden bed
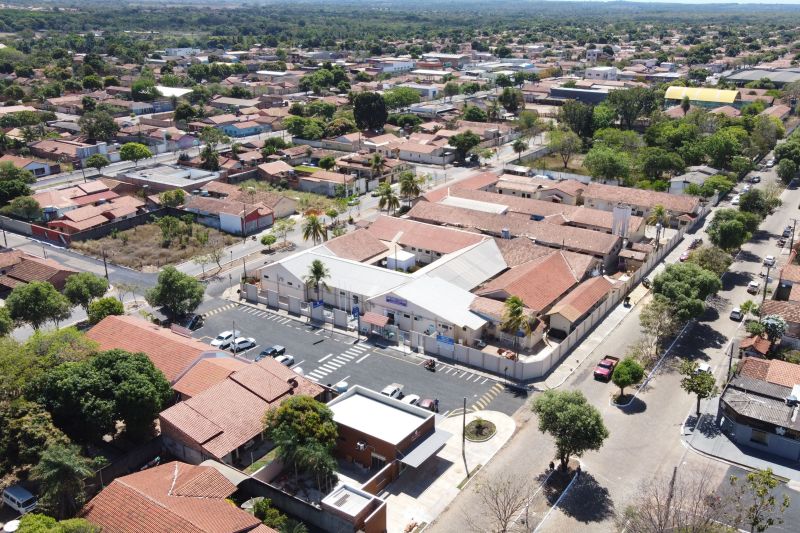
480,430
142,247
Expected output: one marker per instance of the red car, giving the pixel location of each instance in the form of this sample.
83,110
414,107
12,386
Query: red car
684,256
427,404
605,368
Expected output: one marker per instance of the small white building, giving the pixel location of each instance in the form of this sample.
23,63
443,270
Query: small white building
602,73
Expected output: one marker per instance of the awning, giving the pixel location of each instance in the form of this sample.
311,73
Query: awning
375,319
426,448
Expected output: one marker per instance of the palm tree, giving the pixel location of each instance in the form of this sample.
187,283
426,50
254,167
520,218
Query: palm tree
659,214
515,319
293,526
60,474
314,229
409,186
377,163
519,147
317,274
387,198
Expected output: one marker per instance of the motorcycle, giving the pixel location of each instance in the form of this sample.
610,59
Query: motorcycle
430,364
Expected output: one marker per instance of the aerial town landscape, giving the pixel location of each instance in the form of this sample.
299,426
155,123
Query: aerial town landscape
479,266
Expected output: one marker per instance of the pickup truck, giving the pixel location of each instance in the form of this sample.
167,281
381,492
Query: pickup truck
605,368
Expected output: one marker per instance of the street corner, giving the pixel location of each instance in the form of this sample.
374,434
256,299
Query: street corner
478,451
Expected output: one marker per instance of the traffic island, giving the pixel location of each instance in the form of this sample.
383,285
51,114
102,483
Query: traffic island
480,430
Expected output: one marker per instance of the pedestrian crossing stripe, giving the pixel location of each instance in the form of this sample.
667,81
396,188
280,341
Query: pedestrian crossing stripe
487,398
219,309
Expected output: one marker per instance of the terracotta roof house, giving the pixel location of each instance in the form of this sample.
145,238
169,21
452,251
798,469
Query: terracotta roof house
227,418
681,207
359,245
579,303
324,182
758,408
520,250
91,216
480,182
37,168
175,355
755,346
790,312
282,206
565,191
236,218
169,498
20,268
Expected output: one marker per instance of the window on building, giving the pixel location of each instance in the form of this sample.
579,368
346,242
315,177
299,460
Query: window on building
406,316
759,437
289,283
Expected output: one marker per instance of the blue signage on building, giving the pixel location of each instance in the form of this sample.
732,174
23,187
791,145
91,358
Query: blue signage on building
444,339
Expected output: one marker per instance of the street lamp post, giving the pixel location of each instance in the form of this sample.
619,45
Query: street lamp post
658,235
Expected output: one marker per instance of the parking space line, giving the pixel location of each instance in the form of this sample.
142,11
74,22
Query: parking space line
363,358
449,370
326,357
477,377
484,381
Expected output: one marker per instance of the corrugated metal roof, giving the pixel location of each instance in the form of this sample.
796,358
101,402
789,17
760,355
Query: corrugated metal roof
701,94
470,267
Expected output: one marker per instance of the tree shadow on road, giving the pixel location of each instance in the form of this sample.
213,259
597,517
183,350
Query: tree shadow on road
708,427
636,407
694,345
588,501
736,279
748,257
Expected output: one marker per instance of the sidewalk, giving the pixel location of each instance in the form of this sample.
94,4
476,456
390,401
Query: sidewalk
707,438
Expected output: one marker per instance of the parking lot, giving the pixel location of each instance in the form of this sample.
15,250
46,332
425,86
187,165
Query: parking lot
329,357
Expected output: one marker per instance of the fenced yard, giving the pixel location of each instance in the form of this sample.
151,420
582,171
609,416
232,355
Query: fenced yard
142,247
554,162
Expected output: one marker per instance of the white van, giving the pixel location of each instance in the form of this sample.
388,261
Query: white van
19,499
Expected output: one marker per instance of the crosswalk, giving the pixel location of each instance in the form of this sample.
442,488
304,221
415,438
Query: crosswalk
331,363
459,373
481,403
220,309
267,315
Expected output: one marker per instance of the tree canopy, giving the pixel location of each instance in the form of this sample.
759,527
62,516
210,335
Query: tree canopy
177,293
686,286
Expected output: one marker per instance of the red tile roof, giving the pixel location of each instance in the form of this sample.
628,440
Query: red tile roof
790,311
582,298
771,370
359,245
170,498
205,374
171,353
411,233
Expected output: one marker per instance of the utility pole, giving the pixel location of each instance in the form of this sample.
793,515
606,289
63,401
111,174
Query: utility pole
464,435
791,241
105,264
244,269
766,283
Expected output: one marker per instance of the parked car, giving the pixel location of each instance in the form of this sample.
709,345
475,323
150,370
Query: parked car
411,399
605,368
769,260
697,243
735,200
684,256
745,189
753,287
19,498
191,322
285,360
787,232
736,314
272,351
395,390
702,367
755,179
242,343
223,340
771,163
428,405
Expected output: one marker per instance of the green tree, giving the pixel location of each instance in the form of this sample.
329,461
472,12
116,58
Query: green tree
723,145
175,292
756,505
25,207
387,199
103,307
98,126
515,321
409,186
293,526
787,170
753,201
626,140
369,111
686,286
774,326
184,111
37,302
519,147
575,425
327,162
314,229
6,322
655,162
658,323
711,258
83,287
627,372
603,116
134,152
270,516
565,143
60,474
39,523
686,105
631,104
64,345
451,89
511,100
97,161
730,228
170,228
268,240
316,276
28,430
398,97
172,198
579,117
474,113
464,142
607,163
301,427
283,227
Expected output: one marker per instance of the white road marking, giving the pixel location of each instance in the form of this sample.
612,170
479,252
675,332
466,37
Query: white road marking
484,381
326,357
363,358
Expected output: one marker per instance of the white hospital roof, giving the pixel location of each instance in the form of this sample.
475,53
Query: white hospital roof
380,416
469,267
443,299
345,274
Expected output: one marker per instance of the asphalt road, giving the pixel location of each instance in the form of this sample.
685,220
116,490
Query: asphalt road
329,357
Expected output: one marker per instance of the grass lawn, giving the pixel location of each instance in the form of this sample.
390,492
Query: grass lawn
554,162
141,247
264,461
306,168
306,201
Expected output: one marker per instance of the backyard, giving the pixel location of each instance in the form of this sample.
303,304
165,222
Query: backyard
554,162
146,248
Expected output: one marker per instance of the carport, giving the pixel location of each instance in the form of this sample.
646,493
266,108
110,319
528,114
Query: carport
426,449
374,320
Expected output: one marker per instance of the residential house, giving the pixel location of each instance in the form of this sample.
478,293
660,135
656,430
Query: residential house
226,420
92,216
277,172
244,128
281,205
790,312
63,150
236,218
758,408
55,202
578,304
682,209
20,268
39,169
327,183
174,496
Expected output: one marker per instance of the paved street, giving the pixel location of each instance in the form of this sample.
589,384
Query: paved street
329,357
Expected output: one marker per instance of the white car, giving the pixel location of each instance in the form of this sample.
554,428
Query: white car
223,340
745,189
736,314
735,200
702,367
771,163
753,287
243,343
769,260
411,399
395,390
285,360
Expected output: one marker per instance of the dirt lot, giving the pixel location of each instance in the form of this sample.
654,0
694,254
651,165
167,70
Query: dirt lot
141,247
554,162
